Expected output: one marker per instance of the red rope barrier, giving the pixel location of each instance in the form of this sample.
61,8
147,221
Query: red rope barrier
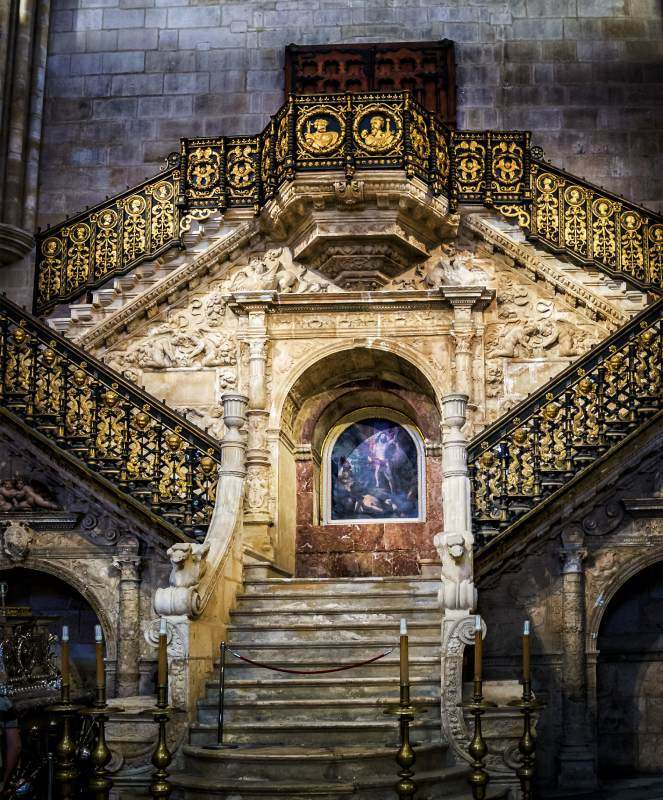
315,671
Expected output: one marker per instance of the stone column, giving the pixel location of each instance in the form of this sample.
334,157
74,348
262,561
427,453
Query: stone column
23,50
576,758
127,561
455,543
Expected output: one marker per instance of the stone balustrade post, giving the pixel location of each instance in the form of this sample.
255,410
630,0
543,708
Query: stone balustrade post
233,444
127,562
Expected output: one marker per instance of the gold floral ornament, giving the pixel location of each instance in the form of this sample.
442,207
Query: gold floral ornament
470,165
441,155
106,256
266,160
49,272
78,255
378,129
419,136
507,166
320,131
241,168
282,140
204,171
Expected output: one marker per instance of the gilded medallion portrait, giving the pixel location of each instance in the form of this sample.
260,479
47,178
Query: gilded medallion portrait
320,131
378,130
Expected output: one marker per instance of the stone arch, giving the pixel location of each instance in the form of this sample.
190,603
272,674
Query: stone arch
69,576
606,594
619,670
403,351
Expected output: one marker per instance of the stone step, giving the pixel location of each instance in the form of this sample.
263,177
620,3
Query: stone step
342,586
440,784
388,602
322,708
258,634
310,764
314,733
331,687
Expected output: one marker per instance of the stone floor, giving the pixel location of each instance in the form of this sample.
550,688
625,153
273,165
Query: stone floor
642,788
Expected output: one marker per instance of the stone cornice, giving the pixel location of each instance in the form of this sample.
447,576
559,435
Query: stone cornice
180,280
540,267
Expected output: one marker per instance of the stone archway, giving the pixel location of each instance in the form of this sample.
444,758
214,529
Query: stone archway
629,676
48,593
338,389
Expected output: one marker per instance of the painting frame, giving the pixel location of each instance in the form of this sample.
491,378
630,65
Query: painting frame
390,419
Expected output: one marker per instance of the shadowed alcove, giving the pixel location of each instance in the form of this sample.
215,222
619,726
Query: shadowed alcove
374,391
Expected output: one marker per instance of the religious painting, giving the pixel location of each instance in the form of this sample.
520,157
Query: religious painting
374,473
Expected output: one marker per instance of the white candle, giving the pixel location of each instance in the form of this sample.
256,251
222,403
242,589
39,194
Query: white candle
65,633
526,628
163,627
97,634
403,627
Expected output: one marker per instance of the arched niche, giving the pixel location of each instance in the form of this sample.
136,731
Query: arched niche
336,390
49,595
629,676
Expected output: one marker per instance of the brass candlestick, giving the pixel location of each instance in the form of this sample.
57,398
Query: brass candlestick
161,758
406,712
528,706
100,782
478,777
66,772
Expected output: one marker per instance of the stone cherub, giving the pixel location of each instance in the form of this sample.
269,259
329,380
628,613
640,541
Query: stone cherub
457,591
18,495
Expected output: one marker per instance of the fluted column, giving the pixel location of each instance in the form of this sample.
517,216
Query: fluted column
576,758
127,561
23,51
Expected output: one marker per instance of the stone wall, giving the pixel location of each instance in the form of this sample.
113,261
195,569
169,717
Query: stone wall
127,78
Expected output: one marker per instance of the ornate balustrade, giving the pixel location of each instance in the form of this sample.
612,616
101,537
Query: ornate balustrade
107,240
595,226
540,445
343,132
149,453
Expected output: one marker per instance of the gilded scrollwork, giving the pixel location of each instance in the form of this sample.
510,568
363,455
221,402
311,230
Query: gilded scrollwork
203,171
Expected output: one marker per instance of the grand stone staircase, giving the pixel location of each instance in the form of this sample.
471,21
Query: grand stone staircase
323,736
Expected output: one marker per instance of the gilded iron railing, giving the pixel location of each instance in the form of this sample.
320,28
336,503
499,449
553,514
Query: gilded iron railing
343,132
109,239
143,449
540,445
595,226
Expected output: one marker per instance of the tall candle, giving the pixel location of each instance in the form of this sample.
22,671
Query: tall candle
162,679
64,656
99,653
526,652
405,666
478,648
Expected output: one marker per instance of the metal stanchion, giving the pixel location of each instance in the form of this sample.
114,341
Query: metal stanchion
220,744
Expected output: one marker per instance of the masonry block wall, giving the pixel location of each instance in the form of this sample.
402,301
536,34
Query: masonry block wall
127,78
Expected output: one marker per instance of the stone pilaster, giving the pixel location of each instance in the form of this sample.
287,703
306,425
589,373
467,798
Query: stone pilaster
465,300
23,50
127,562
576,758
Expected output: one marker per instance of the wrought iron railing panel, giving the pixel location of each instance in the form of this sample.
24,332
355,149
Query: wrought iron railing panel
540,445
341,132
109,239
595,226
113,428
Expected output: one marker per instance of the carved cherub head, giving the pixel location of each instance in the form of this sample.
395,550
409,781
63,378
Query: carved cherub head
455,545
